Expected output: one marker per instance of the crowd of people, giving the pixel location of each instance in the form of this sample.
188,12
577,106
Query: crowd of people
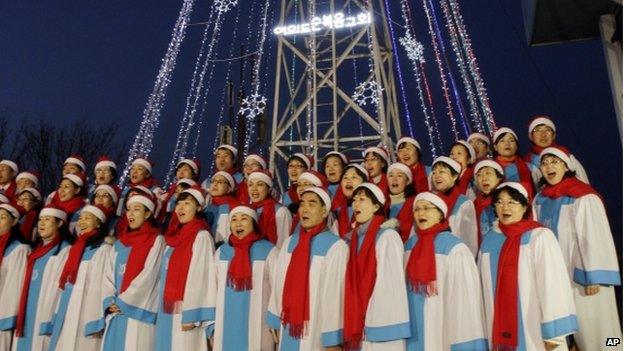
483,250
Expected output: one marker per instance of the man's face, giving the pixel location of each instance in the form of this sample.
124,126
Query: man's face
312,211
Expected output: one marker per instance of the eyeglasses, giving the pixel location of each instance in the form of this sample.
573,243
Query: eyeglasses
501,203
372,158
102,196
546,130
552,161
220,182
295,166
425,208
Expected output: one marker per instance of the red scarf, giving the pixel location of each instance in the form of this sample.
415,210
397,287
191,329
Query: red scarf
450,198
267,222
72,264
571,187
340,205
32,258
360,280
28,223
10,191
524,173
421,265
505,327
296,293
242,193
229,200
239,275
292,193
177,271
383,184
70,206
405,217
482,202
4,242
294,223
466,178
140,242
148,182
537,150
419,178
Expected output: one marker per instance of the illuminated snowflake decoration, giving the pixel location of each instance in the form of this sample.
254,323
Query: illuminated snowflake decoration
367,93
224,6
253,105
415,50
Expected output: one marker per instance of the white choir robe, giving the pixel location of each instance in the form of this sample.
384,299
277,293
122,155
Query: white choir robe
386,325
454,318
283,220
239,315
328,261
463,223
583,232
43,296
76,319
195,305
11,277
219,220
134,327
546,307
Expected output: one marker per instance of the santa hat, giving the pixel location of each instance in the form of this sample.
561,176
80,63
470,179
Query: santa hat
31,175
246,210
194,164
11,209
561,153
4,199
409,141
479,136
257,158
33,191
77,160
198,193
379,195
502,131
314,177
53,212
398,166
471,151
340,155
143,200
228,147
321,193
96,211
361,170
227,177
104,161
517,186
111,190
263,176
307,160
541,120
379,151
145,163
143,189
434,199
187,181
488,163
11,165
79,178
448,161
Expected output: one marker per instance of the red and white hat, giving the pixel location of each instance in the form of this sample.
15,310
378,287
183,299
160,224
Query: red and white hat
4,199
198,193
398,166
321,193
517,186
30,175
194,164
379,195
53,212
448,161
79,178
314,177
227,177
360,169
409,141
541,120
11,165
96,211
11,209
471,151
479,136
502,131
263,176
143,189
228,147
340,155
488,163
379,151
187,181
246,210
104,161
258,158
33,191
436,200
143,200
561,153
113,191
304,158
143,162
77,160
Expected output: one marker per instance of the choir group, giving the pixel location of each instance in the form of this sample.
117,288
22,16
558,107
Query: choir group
483,250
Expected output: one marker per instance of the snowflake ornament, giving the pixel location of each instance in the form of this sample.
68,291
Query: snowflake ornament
367,92
415,49
253,105
224,6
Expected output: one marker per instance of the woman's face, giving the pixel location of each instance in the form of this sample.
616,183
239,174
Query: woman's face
241,225
460,154
251,166
103,198
48,227
508,210
487,180
408,154
219,186
363,207
397,182
186,209
295,168
426,214
303,184
103,175
441,178
24,183
258,190
87,222
374,164
138,174
507,146
137,214
27,201
6,221
71,168
480,147
184,171
553,168
333,169
350,181
67,190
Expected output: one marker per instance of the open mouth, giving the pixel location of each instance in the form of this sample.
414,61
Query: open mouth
240,231
422,220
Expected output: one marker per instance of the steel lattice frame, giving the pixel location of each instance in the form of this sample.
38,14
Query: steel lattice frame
317,94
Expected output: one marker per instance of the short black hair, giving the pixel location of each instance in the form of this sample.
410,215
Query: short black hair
357,170
495,153
182,164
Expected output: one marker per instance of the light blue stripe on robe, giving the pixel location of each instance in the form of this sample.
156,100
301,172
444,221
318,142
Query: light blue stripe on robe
333,188
486,220
213,213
